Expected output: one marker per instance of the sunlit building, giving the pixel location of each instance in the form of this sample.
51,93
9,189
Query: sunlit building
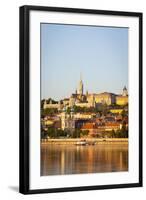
89,100
122,99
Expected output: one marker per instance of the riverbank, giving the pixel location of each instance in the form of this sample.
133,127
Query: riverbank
73,141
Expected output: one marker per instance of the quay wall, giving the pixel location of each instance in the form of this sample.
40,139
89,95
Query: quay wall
73,141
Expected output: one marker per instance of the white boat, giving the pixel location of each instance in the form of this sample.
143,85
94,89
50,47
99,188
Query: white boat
84,142
81,142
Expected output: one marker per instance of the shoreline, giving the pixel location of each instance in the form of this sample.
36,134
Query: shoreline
73,141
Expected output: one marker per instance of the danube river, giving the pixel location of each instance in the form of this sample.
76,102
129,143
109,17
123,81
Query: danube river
72,159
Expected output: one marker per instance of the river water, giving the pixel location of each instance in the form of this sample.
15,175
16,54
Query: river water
72,159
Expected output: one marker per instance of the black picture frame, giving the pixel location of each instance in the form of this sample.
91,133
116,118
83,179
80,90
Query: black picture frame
25,91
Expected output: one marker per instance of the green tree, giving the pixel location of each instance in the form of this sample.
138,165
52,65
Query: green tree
124,113
76,133
44,134
68,110
48,111
122,133
51,132
113,133
84,133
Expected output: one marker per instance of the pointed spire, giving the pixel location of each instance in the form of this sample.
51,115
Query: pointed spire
80,76
80,87
125,91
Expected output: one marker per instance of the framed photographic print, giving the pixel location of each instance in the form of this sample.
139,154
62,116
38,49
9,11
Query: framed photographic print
80,99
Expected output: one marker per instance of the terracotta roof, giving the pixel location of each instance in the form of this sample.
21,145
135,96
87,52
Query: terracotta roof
112,124
89,126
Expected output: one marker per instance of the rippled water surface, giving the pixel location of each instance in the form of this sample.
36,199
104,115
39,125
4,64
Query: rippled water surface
72,159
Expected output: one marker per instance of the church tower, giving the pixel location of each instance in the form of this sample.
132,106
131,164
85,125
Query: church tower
80,88
125,92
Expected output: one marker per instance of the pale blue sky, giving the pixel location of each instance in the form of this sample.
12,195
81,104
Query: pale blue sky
100,54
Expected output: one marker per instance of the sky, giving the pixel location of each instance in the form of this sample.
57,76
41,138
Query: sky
99,54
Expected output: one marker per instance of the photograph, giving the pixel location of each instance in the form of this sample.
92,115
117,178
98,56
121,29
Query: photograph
84,99
80,99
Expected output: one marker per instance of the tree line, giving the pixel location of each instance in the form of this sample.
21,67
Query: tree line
59,133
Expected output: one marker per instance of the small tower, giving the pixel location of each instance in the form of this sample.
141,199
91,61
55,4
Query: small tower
80,88
125,92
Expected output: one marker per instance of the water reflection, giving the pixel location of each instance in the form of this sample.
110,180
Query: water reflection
71,159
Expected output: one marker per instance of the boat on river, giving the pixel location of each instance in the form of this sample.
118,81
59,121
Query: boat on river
85,143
